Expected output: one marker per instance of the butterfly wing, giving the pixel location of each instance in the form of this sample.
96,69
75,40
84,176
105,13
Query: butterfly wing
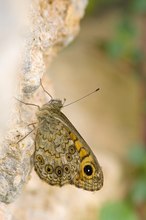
90,175
63,157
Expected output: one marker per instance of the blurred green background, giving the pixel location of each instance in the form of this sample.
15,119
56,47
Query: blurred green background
110,52
126,43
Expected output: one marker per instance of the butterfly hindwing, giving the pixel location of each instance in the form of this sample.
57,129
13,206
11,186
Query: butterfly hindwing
56,158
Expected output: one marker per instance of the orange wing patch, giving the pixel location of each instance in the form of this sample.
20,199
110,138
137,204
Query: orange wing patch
73,136
83,153
79,146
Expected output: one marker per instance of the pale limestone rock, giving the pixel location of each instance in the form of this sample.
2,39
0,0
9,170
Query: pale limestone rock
32,33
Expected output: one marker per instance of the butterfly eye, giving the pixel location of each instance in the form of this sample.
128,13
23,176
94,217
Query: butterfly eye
40,159
66,168
88,170
59,171
49,168
72,149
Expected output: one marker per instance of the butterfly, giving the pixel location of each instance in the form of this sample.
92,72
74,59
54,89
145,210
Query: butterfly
61,154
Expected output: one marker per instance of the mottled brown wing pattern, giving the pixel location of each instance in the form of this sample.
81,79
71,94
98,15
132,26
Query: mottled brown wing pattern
61,154
56,159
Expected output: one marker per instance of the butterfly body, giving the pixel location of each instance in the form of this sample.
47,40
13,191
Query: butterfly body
61,154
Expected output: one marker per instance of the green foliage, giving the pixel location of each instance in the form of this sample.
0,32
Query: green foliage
137,156
138,5
136,196
91,6
97,5
123,42
118,211
138,192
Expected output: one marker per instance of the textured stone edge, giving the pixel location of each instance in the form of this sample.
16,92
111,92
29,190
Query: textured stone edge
49,26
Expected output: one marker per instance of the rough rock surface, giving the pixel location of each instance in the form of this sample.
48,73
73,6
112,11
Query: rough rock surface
33,32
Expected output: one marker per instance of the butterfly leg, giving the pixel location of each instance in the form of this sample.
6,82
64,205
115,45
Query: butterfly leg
26,135
32,124
26,103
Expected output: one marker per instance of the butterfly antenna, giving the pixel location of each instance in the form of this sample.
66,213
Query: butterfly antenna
45,89
82,97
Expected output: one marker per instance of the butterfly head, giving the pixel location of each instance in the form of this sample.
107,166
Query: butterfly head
54,104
